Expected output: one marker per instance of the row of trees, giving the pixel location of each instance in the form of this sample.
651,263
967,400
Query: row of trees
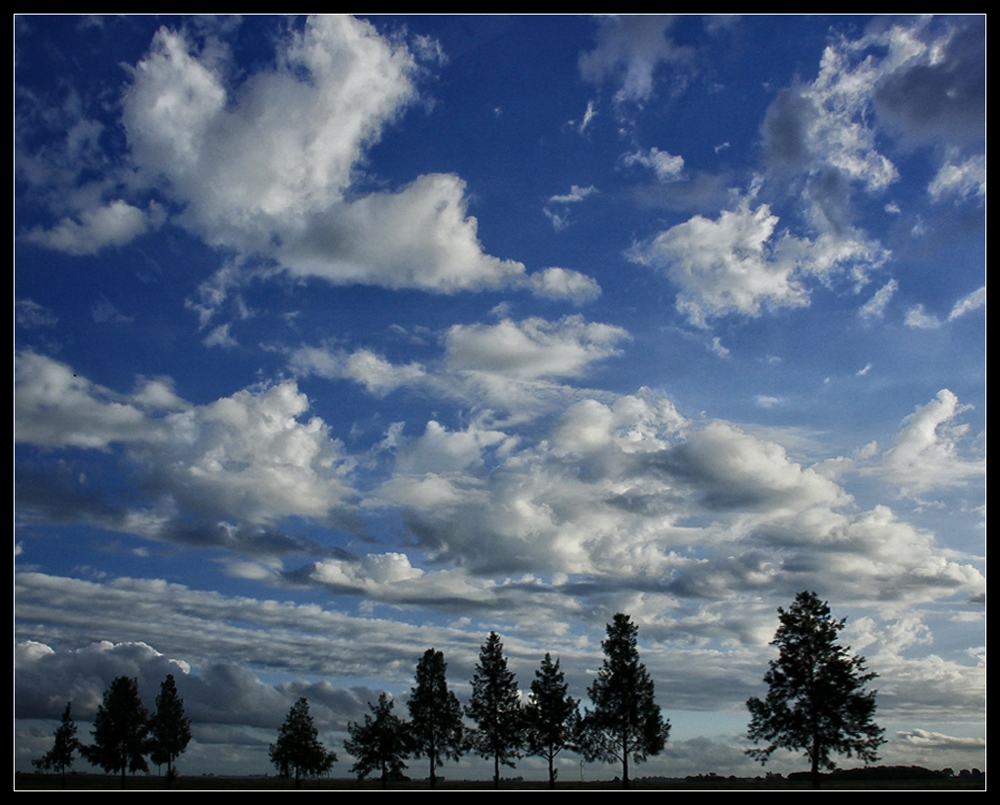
125,733
816,703
625,723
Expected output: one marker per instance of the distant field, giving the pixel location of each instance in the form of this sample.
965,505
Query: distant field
99,781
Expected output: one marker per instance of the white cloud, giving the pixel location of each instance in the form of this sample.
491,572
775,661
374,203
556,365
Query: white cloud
575,195
247,457
562,283
737,264
666,167
918,318
964,180
533,348
874,308
113,224
967,304
927,453
510,366
266,169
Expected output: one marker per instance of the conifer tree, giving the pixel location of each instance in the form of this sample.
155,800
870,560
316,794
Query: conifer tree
496,708
435,714
626,721
60,756
298,750
380,744
169,727
121,730
550,716
816,700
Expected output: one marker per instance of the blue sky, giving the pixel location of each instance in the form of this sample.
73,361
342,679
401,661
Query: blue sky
338,339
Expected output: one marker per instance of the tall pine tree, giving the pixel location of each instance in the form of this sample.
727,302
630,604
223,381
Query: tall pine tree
60,756
816,700
626,721
380,744
121,730
298,750
551,715
169,727
496,708
435,714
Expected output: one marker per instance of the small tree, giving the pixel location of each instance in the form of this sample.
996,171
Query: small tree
298,749
121,730
816,700
496,708
60,756
380,744
435,714
550,716
170,728
626,721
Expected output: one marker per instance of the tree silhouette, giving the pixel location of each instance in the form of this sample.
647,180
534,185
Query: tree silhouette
496,708
626,721
121,730
550,716
60,756
380,744
169,727
435,714
815,700
298,749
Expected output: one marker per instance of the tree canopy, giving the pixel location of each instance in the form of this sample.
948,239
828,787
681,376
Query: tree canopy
551,715
60,756
169,727
298,750
626,722
380,744
816,700
496,708
435,713
121,730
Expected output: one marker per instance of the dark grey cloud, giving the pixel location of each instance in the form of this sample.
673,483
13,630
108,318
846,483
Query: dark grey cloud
941,101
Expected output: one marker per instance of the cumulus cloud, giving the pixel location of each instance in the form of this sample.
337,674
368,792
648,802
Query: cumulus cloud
506,366
960,181
246,459
114,224
920,81
562,283
927,452
666,167
737,264
267,168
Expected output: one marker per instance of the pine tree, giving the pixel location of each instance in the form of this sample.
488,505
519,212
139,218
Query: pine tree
551,715
380,744
170,728
816,700
435,714
298,749
626,721
121,730
60,756
496,708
